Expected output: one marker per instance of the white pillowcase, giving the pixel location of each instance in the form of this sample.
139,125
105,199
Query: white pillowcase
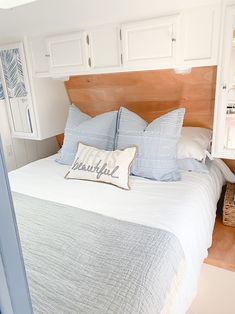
94,164
194,143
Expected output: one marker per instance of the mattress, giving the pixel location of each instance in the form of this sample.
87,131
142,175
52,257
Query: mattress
186,208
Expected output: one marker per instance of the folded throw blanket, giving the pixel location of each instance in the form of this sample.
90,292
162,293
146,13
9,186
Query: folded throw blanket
81,262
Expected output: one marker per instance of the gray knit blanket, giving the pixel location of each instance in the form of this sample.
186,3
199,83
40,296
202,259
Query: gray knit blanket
83,262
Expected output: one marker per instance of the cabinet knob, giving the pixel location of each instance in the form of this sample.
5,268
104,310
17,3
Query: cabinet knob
173,39
224,87
47,55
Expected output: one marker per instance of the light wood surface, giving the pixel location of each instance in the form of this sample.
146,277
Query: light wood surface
231,164
148,93
222,251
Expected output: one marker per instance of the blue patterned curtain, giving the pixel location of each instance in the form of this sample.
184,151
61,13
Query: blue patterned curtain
2,96
13,73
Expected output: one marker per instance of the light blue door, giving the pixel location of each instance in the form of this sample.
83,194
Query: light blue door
14,292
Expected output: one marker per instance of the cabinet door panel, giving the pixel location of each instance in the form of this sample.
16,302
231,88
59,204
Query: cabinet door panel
150,42
105,47
21,115
40,57
68,53
200,35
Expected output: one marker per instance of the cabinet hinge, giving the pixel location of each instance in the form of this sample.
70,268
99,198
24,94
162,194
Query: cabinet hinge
120,34
87,40
89,62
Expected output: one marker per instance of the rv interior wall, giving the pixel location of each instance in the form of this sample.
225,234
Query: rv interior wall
19,152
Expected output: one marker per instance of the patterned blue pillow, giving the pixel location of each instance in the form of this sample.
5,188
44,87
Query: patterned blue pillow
156,143
98,132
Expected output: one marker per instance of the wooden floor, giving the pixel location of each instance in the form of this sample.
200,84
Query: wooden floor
222,252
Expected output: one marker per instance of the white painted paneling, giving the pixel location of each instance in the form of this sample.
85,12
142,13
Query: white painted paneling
223,96
150,42
200,35
39,55
104,43
67,53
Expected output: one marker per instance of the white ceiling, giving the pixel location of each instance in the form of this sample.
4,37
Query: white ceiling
51,16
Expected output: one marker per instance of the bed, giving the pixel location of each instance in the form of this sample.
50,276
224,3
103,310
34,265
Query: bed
186,209
143,248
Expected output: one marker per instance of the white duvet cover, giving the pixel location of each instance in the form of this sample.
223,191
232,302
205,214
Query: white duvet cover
186,208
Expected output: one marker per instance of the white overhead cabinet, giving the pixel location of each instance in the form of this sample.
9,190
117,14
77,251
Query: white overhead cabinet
188,38
39,56
224,116
16,89
68,53
36,107
104,44
151,42
200,29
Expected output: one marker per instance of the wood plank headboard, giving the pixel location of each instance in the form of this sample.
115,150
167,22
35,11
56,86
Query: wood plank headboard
148,93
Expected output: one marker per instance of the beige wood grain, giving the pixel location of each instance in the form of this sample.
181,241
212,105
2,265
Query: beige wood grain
222,251
148,93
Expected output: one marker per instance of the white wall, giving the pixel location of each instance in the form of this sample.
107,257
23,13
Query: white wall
20,152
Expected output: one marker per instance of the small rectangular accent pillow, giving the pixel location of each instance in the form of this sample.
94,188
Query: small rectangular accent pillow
98,131
94,164
156,143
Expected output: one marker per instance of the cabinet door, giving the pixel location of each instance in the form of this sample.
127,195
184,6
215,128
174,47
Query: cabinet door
150,43
200,34
40,57
16,88
224,115
104,43
68,53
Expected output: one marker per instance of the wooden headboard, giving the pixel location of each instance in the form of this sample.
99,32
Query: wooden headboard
148,93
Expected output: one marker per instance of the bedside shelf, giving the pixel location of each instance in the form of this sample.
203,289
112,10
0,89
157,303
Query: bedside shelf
222,251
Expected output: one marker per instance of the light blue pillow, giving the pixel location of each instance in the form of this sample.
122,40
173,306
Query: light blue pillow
98,132
156,143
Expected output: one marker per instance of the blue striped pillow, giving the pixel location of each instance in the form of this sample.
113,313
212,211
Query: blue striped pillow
156,142
98,132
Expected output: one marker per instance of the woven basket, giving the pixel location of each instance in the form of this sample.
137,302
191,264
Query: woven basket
229,206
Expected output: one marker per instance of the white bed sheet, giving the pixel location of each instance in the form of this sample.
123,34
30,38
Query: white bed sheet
186,208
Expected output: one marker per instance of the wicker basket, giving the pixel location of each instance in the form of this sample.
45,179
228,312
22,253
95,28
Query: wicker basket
229,206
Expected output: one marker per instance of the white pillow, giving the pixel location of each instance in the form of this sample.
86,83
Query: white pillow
94,164
194,143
